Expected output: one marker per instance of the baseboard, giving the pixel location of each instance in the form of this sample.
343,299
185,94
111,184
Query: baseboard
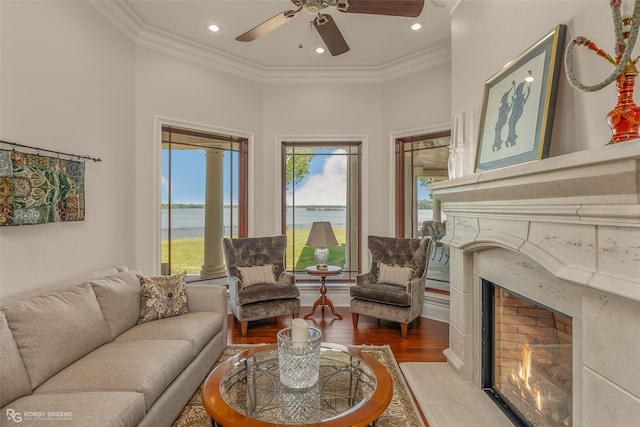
436,306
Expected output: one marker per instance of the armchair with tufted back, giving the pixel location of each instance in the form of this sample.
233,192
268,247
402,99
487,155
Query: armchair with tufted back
393,289
259,286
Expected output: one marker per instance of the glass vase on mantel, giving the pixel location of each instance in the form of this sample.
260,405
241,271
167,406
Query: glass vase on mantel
456,157
451,164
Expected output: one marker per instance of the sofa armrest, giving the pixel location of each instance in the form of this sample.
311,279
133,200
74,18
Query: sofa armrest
207,298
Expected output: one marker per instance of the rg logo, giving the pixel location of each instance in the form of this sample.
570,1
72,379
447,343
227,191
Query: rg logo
14,416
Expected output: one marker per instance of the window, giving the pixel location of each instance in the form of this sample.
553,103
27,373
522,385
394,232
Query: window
321,182
419,160
204,198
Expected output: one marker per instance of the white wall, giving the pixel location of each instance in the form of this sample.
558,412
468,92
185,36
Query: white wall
415,104
417,100
488,34
317,112
71,81
202,98
67,82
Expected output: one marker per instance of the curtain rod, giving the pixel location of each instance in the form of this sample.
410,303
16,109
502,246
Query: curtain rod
38,149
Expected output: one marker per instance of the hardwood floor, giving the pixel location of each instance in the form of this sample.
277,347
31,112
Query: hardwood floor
425,342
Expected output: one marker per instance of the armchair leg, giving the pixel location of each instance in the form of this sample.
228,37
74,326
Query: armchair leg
296,315
244,326
418,320
354,318
404,329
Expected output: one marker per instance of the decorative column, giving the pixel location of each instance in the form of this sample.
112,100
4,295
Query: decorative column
437,210
351,234
213,218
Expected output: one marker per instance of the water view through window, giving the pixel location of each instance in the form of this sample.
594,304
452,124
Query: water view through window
203,199
321,183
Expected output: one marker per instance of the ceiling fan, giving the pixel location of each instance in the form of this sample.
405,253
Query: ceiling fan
326,26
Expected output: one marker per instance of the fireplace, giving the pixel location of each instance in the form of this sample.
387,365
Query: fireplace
562,232
526,358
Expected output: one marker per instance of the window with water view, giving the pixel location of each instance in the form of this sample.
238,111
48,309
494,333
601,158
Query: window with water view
321,183
203,199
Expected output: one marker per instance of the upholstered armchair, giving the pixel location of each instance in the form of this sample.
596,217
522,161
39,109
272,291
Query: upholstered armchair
259,286
393,288
437,230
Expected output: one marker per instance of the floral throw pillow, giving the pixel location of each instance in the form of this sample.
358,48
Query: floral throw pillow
162,296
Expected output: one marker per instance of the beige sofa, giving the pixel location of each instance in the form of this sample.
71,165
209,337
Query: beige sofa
74,355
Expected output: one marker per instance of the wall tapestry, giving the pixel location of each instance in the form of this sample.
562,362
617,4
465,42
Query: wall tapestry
36,189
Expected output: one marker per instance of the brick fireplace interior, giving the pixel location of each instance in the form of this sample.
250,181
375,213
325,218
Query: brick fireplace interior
562,232
527,358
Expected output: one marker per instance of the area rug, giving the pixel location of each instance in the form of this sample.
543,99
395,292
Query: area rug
402,411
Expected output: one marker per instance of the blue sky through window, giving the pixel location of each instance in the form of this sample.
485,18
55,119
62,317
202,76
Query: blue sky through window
325,184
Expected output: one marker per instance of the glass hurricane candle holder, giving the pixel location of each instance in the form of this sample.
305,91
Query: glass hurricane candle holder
299,362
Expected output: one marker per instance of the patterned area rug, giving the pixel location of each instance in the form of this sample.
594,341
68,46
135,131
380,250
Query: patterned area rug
401,412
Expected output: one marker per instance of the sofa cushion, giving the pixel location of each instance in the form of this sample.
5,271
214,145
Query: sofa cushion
105,409
73,281
14,379
146,367
162,296
55,329
394,274
197,328
119,299
257,274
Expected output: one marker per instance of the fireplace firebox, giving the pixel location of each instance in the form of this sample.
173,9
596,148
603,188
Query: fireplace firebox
527,359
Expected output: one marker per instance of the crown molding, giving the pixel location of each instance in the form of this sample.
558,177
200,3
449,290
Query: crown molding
126,19
122,15
453,4
181,47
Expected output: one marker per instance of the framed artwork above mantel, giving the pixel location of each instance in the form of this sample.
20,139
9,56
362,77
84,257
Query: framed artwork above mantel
519,105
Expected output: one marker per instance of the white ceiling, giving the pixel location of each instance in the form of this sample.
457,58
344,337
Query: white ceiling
375,41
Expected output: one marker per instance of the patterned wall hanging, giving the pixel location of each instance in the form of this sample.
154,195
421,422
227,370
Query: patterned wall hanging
36,189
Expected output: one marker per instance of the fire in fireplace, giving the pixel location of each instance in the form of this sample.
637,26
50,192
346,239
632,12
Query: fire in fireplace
527,358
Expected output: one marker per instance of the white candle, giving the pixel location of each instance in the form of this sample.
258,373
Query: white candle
299,331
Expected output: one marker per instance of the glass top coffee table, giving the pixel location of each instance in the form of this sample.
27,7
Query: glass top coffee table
353,389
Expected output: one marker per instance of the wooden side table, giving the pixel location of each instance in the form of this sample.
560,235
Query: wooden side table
332,270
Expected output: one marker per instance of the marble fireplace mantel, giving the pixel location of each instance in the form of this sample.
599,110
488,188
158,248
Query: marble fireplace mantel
565,232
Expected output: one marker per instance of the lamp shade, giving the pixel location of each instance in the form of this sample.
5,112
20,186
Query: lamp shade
321,235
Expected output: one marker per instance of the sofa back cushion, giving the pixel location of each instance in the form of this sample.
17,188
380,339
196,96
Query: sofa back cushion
119,299
55,329
14,379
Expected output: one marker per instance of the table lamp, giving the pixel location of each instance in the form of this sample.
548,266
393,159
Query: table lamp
321,237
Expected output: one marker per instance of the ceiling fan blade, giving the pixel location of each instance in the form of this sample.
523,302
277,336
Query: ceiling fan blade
267,26
410,8
331,35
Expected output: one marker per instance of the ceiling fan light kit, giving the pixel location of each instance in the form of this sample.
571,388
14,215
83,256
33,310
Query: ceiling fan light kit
325,24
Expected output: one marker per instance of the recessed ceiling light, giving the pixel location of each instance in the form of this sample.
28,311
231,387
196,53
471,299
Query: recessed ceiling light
214,28
417,26
319,50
